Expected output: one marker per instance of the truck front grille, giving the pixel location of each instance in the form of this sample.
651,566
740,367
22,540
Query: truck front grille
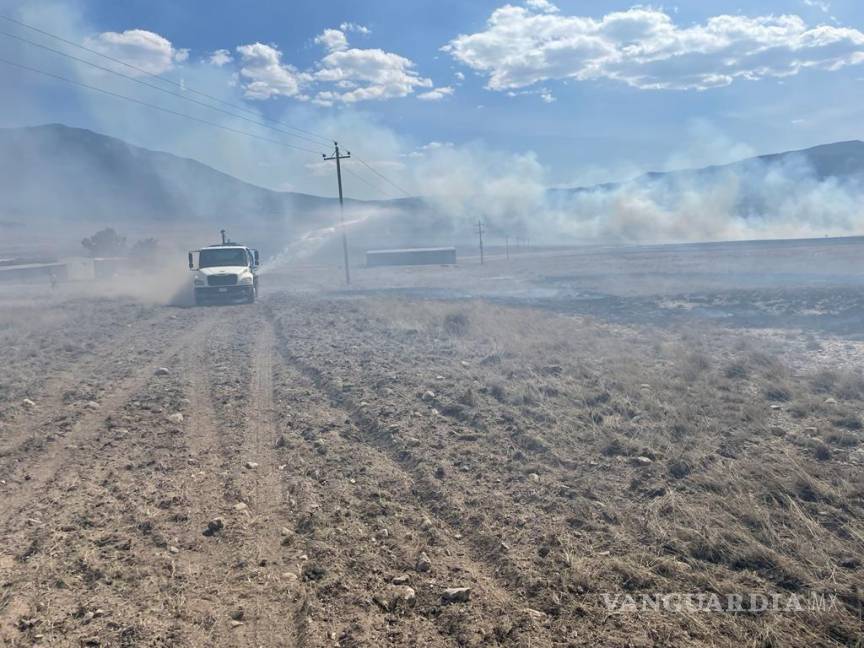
222,280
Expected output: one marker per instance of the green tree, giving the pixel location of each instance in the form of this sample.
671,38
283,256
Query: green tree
144,250
105,243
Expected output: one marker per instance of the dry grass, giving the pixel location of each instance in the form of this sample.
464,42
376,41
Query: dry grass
744,480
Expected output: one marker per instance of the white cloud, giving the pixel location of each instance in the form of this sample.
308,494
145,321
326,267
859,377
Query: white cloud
151,52
345,74
644,48
821,5
436,94
544,93
430,147
333,39
433,145
543,6
459,76
220,57
365,74
354,27
265,75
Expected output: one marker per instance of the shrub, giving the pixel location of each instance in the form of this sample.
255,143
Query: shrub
679,468
822,452
497,391
778,393
736,371
456,324
847,422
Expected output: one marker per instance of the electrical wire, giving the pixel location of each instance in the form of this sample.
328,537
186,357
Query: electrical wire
382,176
155,87
141,70
154,106
357,176
362,179
183,87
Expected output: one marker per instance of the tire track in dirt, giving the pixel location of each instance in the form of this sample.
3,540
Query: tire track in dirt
230,389
205,570
358,349
191,595
350,547
51,410
32,471
98,519
49,479
272,623
472,556
370,434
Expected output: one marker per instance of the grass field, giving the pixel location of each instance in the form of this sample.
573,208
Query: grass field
560,433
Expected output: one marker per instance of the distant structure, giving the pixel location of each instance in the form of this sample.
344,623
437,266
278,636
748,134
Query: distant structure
32,271
66,269
411,256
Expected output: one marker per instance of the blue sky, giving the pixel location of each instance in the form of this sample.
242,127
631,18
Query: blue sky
580,92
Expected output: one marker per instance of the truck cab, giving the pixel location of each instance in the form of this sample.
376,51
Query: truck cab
224,272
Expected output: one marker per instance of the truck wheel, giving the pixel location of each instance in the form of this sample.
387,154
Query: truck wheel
250,298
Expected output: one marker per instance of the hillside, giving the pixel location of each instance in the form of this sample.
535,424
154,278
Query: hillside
48,173
841,160
57,174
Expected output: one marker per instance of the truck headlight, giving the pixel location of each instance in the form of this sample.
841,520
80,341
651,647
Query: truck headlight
199,281
246,279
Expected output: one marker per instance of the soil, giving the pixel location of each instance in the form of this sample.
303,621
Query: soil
322,469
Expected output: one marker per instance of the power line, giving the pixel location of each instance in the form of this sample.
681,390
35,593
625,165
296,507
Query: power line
363,180
183,87
382,176
155,87
154,106
161,78
114,94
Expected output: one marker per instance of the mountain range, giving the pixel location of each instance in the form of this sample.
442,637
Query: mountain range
841,160
56,173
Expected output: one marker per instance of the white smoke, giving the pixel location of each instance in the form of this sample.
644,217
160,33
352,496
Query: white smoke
785,198
460,184
472,182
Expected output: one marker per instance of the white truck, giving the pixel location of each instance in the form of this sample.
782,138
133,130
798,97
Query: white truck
224,272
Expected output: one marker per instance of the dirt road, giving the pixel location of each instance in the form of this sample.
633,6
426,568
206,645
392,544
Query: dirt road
314,473
108,497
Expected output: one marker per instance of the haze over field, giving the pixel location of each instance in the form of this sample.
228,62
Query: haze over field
101,180
445,118
617,399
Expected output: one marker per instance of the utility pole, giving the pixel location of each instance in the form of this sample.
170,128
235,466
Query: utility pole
338,157
480,234
507,247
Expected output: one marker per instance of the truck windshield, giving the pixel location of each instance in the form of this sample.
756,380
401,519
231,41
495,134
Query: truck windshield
210,258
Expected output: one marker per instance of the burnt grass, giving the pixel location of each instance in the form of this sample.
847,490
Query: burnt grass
835,309
548,458
579,457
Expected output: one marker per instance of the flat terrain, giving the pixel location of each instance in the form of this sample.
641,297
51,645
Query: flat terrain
320,468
